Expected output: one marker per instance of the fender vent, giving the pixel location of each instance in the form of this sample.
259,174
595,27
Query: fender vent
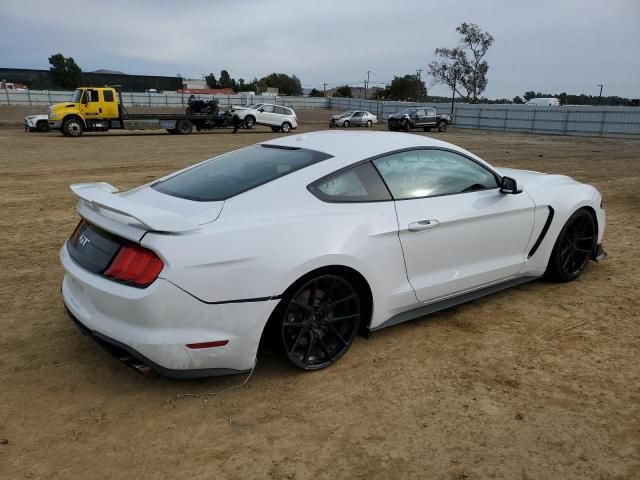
543,233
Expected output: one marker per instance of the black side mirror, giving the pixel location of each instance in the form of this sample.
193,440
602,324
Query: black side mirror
509,185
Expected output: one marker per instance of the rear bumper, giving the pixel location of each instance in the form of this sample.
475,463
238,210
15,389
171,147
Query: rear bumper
155,324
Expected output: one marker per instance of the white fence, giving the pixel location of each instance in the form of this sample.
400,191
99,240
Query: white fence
568,120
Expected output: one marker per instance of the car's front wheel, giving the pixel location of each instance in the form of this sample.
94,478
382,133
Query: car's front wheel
346,124
249,122
573,248
320,322
442,126
73,127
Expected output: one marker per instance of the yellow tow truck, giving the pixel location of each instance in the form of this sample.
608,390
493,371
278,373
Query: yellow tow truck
99,109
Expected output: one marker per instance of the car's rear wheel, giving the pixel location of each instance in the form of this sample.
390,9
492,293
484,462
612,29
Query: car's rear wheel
573,247
249,122
285,127
73,127
320,322
369,123
346,124
442,126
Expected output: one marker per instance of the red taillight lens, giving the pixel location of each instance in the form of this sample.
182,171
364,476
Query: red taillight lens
135,264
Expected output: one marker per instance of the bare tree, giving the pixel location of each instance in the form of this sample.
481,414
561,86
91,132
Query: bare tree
464,67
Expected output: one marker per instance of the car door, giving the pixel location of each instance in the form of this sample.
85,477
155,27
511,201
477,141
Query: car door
458,231
356,119
430,118
91,106
266,115
419,120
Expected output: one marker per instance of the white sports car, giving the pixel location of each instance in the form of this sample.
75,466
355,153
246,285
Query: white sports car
313,238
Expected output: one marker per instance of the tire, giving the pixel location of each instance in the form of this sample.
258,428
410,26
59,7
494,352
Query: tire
42,126
286,127
275,129
72,127
442,126
249,122
369,123
184,127
426,129
573,248
346,124
319,321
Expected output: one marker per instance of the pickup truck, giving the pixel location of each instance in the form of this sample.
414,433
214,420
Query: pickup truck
99,109
419,117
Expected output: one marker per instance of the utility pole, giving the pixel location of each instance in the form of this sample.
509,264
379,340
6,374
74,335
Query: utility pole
453,93
366,84
600,96
324,89
419,85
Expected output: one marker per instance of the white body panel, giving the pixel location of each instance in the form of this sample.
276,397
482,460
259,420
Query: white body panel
222,279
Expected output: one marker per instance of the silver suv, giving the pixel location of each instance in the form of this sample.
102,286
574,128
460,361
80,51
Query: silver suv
280,119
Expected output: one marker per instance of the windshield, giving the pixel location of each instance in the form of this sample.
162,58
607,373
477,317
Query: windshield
75,97
238,171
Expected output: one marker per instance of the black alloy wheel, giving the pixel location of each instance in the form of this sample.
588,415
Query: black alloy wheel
320,322
249,122
573,248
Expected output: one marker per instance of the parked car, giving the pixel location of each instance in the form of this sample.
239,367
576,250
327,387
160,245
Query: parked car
543,102
280,119
353,118
36,123
312,239
419,117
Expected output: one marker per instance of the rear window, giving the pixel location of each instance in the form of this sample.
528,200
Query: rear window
236,172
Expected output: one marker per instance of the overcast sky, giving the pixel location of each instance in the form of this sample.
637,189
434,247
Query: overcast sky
550,45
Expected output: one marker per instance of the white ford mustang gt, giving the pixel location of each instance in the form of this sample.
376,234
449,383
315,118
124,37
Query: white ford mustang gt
315,237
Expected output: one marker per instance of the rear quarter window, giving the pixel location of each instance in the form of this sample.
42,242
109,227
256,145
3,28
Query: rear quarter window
239,171
361,183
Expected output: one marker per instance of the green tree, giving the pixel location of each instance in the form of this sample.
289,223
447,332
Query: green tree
529,95
65,71
225,80
464,67
408,87
343,91
286,85
517,100
211,81
316,93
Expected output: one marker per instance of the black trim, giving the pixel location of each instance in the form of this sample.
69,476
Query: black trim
223,302
450,302
120,351
543,233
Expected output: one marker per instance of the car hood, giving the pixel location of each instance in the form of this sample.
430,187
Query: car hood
398,115
530,179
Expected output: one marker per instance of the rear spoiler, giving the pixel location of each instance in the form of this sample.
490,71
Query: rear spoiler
101,195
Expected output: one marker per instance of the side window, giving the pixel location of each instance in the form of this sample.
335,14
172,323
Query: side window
427,173
92,96
420,113
431,112
281,110
108,95
357,115
267,108
358,184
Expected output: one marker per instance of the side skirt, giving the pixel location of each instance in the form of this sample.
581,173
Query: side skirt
451,302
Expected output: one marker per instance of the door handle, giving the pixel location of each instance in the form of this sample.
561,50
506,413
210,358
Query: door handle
422,225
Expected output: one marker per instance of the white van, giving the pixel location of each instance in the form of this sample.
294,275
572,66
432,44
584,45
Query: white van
543,102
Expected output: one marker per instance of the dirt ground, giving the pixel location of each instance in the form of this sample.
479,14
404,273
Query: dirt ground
538,382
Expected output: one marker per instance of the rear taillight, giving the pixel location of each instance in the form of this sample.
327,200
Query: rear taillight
135,265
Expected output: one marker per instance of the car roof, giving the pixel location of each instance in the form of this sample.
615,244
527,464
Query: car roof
359,145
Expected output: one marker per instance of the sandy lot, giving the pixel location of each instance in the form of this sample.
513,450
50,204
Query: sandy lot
538,382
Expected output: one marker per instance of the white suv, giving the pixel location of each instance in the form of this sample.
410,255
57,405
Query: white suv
280,119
